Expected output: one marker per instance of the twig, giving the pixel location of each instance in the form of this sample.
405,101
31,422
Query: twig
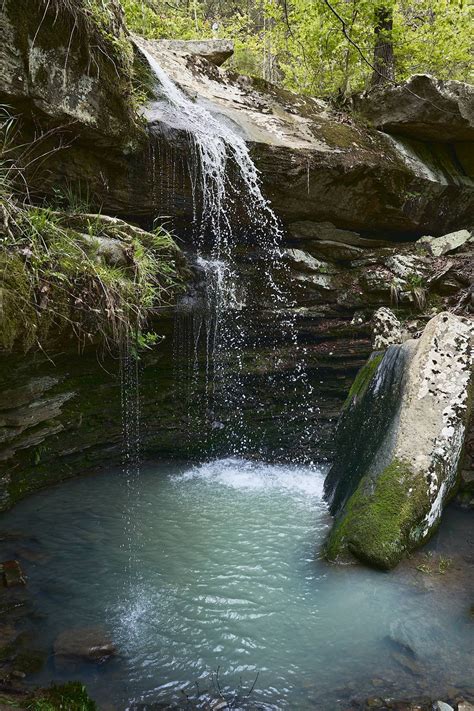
253,685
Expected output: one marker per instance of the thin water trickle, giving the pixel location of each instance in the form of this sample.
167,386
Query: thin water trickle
131,458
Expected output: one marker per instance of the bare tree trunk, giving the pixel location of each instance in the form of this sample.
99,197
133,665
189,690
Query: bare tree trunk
384,61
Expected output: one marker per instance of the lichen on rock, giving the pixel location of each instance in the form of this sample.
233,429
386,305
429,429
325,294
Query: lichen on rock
387,329
406,468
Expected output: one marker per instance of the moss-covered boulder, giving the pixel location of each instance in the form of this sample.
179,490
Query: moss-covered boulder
400,444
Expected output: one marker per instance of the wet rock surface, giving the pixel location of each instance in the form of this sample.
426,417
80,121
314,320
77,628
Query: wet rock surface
317,165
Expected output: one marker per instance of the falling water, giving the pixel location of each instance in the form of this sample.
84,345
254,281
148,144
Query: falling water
231,213
131,458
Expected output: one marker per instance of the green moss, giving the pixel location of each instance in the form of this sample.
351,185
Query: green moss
376,522
363,379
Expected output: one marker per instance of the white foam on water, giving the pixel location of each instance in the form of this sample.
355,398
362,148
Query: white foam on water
243,474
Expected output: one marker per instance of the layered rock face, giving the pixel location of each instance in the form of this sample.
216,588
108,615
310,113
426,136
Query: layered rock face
61,412
61,415
317,164
400,444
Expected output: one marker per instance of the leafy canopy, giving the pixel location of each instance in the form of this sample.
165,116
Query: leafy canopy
300,44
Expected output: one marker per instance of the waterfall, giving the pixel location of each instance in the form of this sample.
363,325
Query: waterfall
217,145
230,215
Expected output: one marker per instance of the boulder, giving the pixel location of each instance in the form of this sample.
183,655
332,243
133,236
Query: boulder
422,107
306,262
400,443
216,51
439,246
112,251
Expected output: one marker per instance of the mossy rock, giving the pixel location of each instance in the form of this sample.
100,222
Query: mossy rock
377,524
363,379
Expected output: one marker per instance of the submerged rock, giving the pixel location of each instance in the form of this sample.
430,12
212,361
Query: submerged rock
400,443
12,573
91,644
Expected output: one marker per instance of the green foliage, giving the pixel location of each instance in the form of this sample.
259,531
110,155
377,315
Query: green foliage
417,290
300,44
102,22
58,275
66,697
431,566
70,272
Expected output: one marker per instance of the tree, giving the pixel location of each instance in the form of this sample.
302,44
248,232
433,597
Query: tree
384,59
